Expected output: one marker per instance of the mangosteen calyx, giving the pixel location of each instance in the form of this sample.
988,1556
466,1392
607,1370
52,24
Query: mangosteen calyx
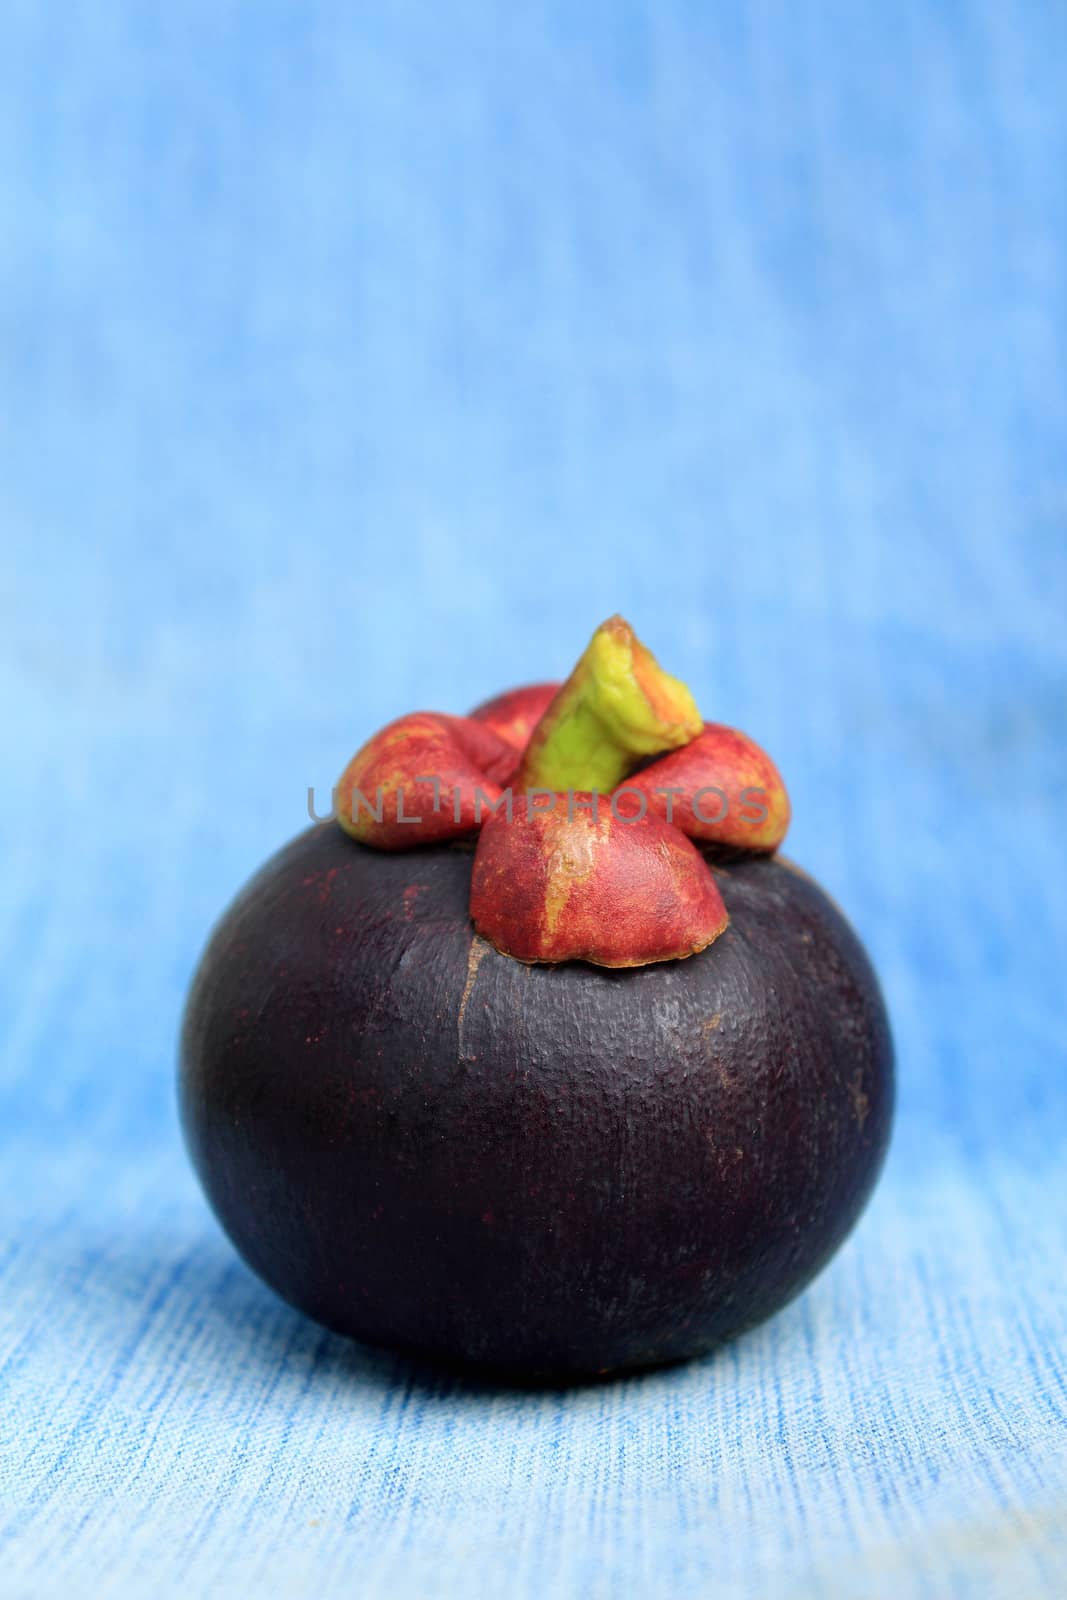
581,856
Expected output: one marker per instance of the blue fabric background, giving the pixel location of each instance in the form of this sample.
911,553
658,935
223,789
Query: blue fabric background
356,358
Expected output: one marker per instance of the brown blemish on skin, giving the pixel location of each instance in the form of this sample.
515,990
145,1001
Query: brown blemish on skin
712,1024
860,1102
727,1159
474,960
568,866
324,883
411,894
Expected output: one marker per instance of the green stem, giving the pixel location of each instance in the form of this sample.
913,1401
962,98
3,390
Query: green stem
617,706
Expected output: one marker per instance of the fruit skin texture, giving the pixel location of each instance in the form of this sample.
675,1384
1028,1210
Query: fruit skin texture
548,1171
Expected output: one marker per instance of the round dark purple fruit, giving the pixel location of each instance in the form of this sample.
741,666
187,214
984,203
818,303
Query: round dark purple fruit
548,1170
593,1093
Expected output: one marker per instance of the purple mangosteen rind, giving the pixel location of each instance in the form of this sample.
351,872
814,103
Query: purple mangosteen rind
548,1171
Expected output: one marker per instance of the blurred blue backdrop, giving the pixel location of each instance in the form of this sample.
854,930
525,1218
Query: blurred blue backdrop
360,358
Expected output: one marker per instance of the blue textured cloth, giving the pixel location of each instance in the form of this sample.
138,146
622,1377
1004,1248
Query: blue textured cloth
359,358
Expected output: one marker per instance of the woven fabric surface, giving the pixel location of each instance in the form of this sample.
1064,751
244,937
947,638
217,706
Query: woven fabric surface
361,358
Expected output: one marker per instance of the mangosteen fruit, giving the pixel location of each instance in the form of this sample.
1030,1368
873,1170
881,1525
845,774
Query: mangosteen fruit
536,1057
